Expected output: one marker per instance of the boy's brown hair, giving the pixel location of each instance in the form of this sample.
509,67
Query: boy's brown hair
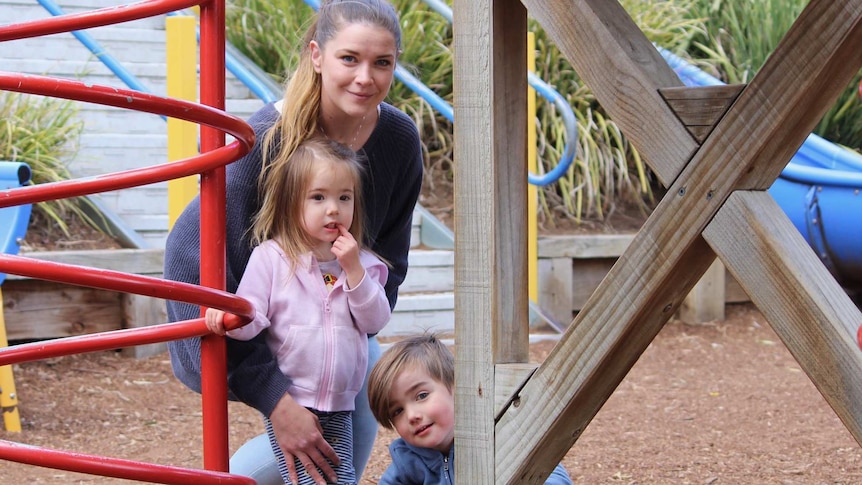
425,352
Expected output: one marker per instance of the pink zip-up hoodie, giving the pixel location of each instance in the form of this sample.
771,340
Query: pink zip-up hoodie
319,337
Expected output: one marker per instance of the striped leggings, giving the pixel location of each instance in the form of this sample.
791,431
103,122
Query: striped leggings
338,432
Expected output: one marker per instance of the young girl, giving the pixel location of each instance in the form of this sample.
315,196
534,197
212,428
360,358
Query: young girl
316,292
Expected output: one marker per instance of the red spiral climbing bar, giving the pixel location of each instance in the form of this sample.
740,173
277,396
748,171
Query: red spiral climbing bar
215,123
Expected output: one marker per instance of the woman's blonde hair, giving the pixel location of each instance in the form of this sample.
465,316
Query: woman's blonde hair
301,107
286,197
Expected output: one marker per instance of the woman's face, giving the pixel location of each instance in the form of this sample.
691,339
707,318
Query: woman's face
356,68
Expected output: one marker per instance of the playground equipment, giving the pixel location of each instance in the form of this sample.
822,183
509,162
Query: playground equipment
717,149
13,220
13,227
210,164
716,206
819,190
821,196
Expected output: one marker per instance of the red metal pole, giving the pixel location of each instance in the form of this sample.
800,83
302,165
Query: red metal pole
209,163
213,348
115,467
95,18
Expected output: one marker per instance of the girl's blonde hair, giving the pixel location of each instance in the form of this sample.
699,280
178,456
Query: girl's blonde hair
290,182
301,106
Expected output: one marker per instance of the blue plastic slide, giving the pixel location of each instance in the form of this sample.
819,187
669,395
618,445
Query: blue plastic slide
820,190
13,220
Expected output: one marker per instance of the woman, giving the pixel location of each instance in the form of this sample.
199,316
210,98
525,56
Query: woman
344,73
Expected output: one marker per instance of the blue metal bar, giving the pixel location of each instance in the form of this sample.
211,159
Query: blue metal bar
109,61
258,82
441,8
688,74
544,89
571,123
252,76
124,233
425,92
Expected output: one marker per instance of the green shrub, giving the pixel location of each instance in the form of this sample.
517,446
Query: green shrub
607,171
269,32
741,34
729,38
43,133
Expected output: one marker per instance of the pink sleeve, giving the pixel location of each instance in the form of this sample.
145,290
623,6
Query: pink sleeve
368,302
256,286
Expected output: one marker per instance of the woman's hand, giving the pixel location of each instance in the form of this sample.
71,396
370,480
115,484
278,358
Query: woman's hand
300,436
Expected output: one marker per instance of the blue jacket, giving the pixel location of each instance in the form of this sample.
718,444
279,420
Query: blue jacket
424,466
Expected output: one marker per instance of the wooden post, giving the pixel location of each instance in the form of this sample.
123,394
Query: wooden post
491,321
807,308
532,190
746,150
705,302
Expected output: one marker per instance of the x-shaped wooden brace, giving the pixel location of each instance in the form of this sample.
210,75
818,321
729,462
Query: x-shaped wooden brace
717,204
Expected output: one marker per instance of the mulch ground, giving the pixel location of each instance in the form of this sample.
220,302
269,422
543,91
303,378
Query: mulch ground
720,403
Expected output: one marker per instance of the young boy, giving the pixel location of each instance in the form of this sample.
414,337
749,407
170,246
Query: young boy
411,389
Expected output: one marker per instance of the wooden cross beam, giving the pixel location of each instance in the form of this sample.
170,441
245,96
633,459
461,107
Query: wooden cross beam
716,205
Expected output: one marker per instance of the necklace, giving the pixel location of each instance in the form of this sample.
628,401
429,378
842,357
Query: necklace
355,135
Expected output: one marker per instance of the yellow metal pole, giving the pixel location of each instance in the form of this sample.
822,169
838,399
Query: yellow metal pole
182,83
8,396
532,192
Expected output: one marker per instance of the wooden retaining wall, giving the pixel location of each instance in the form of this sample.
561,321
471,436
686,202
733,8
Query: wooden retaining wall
571,267
38,310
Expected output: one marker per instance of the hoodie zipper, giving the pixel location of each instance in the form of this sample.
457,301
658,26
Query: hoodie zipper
323,393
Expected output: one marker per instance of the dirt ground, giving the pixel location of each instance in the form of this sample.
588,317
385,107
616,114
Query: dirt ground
709,404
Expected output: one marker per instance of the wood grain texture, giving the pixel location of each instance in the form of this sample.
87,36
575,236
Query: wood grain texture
808,309
700,108
625,71
136,261
749,147
587,246
705,302
490,209
509,378
37,310
509,106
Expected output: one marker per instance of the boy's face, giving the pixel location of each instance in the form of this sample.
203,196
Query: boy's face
423,410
